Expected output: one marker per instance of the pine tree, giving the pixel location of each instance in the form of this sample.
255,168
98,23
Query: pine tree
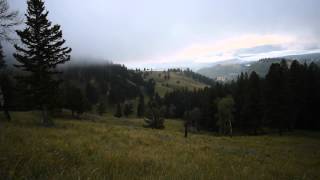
101,108
276,100
195,117
118,113
141,108
41,53
312,98
240,98
225,115
150,87
297,99
254,103
6,92
76,101
127,110
5,87
92,94
154,116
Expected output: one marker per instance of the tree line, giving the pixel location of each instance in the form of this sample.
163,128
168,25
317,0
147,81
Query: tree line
286,99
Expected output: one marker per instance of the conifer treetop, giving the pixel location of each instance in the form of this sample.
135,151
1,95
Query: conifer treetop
42,41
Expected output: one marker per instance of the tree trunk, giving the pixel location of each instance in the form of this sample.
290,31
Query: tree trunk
230,126
197,126
186,130
280,131
7,114
46,121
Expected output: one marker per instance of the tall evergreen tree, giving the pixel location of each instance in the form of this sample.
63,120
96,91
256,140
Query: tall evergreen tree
225,115
240,98
101,108
118,113
41,53
150,87
92,93
76,101
254,103
312,97
276,97
195,117
127,109
141,106
5,87
6,91
154,116
295,83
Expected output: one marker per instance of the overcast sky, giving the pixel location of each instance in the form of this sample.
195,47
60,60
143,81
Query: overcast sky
185,32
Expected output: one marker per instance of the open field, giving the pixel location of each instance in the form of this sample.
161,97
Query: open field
110,148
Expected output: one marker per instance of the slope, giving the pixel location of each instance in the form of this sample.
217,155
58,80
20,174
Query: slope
176,80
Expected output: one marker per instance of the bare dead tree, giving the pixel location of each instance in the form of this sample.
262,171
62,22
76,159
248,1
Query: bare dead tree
8,20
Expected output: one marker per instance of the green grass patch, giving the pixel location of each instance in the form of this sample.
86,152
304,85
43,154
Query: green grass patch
111,148
177,81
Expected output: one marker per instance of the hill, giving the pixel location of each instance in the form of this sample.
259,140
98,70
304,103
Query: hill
232,68
223,72
176,80
110,148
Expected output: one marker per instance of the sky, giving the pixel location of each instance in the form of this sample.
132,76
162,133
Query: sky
186,33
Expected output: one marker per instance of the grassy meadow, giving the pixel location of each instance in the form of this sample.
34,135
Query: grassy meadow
109,148
177,81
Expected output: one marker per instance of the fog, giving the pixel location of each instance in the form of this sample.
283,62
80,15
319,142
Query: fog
184,32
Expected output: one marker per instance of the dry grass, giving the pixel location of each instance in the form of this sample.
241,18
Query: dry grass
111,148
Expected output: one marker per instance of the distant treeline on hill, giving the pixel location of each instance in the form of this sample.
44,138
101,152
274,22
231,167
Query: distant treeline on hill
229,71
83,87
195,76
186,72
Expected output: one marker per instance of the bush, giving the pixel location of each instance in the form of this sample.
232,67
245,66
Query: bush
128,109
101,108
118,113
154,116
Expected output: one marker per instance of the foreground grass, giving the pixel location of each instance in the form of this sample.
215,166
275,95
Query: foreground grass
111,148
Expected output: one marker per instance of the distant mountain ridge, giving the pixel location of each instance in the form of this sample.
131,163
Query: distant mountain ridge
230,69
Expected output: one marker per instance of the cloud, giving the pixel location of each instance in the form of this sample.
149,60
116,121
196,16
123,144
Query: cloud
183,31
248,47
260,49
281,53
226,48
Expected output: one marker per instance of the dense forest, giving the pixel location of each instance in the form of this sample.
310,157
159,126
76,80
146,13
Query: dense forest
285,99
